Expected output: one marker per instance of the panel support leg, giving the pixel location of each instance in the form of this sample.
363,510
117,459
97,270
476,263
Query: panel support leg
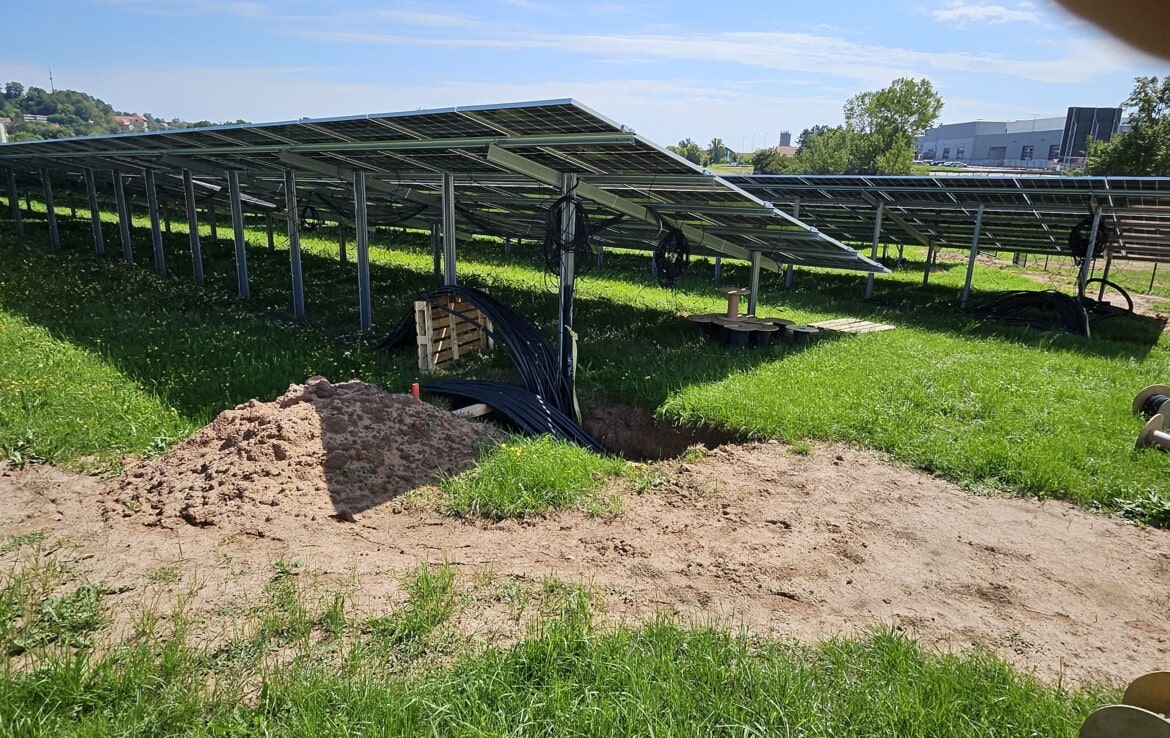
51,211
971,258
448,229
568,338
754,286
1087,263
294,243
14,203
95,214
123,216
193,227
877,236
929,259
243,289
362,241
160,262
437,250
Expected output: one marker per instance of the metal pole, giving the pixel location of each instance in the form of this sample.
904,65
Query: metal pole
437,250
971,259
754,295
167,218
568,339
294,243
718,269
877,236
51,210
789,275
507,245
929,258
211,220
363,249
1087,263
341,241
193,227
242,286
123,216
1105,275
268,227
14,203
1153,275
95,215
448,228
160,262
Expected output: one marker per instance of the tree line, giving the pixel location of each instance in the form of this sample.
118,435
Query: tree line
68,113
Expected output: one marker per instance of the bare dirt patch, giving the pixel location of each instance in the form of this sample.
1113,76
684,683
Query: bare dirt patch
793,545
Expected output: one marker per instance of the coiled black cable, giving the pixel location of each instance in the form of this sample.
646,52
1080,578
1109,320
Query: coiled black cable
1153,404
555,242
671,257
1024,307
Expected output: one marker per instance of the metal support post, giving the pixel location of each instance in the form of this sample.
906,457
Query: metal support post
242,287
167,218
193,227
789,275
507,245
1105,275
1087,263
14,203
341,242
877,236
160,262
211,220
123,216
1153,276
448,228
294,243
718,269
51,211
437,250
95,214
754,294
363,249
268,228
971,259
568,339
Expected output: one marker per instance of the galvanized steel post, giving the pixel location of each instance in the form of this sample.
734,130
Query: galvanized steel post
123,216
160,262
193,227
449,277
95,214
363,249
237,204
294,243
971,259
877,236
51,210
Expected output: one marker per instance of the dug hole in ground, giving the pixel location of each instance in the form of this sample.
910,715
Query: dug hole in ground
755,536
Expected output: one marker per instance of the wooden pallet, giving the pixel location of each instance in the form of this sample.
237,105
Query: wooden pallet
448,329
851,325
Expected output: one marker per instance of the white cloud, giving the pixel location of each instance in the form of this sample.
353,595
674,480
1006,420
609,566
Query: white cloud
963,14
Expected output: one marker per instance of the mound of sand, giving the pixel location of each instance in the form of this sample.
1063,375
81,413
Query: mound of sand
320,450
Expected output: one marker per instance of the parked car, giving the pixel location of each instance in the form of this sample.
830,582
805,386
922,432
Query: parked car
954,164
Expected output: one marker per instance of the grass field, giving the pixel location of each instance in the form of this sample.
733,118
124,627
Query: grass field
100,359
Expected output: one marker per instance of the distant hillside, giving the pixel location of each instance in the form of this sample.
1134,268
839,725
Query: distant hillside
33,113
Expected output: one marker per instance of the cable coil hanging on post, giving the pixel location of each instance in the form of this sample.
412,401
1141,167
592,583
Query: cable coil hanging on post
672,256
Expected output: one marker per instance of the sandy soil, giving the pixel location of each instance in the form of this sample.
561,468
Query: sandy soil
756,536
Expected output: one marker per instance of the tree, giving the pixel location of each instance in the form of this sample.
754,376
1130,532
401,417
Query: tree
825,152
688,150
885,123
771,161
807,133
1144,150
716,151
13,90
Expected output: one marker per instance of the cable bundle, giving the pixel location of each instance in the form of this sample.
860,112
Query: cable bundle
529,412
555,243
671,258
536,362
1019,307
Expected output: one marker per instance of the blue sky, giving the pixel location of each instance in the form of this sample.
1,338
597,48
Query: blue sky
742,71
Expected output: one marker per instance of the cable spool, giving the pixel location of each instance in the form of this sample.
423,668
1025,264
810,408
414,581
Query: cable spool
311,220
1151,401
1154,435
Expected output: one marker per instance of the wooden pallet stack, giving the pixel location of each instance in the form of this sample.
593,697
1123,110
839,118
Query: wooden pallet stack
449,328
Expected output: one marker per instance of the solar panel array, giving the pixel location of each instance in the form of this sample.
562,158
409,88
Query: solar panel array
504,160
1033,214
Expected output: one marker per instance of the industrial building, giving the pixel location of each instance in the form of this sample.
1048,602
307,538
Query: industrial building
1035,143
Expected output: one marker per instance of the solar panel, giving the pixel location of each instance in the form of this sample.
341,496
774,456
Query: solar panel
1023,214
505,159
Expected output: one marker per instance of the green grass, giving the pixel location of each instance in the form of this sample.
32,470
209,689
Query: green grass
144,360
527,476
305,664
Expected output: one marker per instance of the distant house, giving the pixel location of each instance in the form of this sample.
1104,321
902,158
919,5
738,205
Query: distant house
785,150
130,123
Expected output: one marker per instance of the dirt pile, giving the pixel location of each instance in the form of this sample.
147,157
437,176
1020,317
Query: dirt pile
320,450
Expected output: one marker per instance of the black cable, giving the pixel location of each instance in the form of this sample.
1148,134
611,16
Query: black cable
1024,307
1106,283
672,256
1152,405
311,220
555,243
527,411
